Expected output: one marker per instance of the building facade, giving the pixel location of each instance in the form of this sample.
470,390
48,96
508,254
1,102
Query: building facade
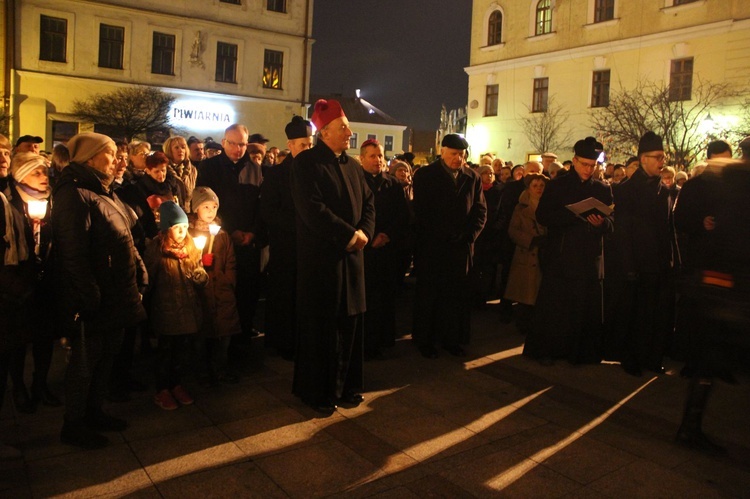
225,61
527,53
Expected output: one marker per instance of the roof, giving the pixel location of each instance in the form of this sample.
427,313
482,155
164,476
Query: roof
358,110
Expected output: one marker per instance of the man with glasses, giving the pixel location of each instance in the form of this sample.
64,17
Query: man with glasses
645,236
236,180
569,306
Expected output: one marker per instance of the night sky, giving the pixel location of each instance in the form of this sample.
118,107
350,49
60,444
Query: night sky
407,57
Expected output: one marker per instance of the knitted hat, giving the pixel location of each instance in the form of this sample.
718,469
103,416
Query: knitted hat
588,148
203,195
650,142
171,214
680,176
298,128
86,145
454,141
24,163
325,112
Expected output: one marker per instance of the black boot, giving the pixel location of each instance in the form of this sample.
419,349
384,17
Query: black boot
690,432
98,420
78,434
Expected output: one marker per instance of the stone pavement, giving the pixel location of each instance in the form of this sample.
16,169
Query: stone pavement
490,424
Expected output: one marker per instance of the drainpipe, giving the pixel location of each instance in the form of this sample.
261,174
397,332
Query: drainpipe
306,49
10,44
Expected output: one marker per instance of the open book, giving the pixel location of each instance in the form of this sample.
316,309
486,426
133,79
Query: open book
589,206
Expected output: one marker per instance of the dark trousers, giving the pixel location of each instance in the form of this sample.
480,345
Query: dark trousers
441,312
174,353
329,361
87,376
652,320
248,287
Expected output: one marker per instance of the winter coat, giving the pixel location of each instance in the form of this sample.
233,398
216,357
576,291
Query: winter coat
332,202
175,306
98,270
525,271
220,305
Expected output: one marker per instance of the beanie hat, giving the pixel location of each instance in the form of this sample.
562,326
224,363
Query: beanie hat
680,176
325,112
298,128
588,148
171,214
203,195
454,141
650,142
86,145
24,163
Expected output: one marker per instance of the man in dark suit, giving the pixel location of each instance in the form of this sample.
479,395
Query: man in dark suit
335,220
450,213
277,212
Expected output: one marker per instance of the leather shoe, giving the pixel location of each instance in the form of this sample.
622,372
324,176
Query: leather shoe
455,350
631,369
352,398
326,408
657,369
101,421
428,351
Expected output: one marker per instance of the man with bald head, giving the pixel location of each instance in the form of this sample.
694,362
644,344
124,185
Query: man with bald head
335,220
450,213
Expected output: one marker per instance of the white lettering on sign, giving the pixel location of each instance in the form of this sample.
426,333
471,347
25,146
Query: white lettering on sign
201,114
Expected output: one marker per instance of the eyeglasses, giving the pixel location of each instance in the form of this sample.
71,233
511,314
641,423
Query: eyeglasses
657,157
241,145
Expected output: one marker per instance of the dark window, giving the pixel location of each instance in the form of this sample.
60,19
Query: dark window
543,17
604,10
111,42
372,136
682,2
388,146
495,28
162,56
541,91
53,39
600,89
490,100
273,66
226,62
681,79
233,2
353,141
276,5
62,131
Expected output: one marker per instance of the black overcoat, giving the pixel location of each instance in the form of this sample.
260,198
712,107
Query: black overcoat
332,201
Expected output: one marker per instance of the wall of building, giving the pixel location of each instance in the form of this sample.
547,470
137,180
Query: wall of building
43,87
638,44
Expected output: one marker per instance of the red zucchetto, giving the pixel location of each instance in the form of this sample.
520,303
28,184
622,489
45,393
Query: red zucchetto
325,112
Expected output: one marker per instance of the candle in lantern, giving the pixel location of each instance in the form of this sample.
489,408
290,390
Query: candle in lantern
213,229
37,208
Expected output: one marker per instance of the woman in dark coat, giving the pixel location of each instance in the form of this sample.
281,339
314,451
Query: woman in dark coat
99,277
487,246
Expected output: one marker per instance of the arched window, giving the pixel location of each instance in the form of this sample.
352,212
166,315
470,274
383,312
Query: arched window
495,28
543,17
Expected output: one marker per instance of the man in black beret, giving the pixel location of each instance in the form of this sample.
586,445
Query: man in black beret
450,213
568,323
277,212
645,238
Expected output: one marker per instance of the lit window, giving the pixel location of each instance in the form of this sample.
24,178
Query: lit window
543,17
388,146
495,28
53,39
273,66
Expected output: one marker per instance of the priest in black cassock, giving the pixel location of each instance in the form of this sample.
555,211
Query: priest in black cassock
335,220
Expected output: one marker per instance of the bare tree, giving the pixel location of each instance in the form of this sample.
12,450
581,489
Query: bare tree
127,112
547,130
648,106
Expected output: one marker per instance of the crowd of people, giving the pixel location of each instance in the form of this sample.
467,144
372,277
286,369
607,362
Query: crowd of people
108,242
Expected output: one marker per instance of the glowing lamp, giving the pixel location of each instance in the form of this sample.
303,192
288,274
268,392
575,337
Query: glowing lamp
37,209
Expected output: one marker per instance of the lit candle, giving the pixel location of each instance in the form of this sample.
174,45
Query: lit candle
213,229
37,209
200,242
